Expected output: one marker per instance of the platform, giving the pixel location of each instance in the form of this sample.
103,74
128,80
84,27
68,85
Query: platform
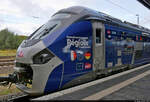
133,84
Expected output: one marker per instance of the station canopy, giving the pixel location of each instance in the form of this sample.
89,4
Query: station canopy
146,3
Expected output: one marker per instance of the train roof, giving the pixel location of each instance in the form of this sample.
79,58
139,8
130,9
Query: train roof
93,14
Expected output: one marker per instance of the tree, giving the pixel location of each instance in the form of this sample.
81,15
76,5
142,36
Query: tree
8,40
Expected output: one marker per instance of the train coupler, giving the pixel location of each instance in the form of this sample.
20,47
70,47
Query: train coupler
11,78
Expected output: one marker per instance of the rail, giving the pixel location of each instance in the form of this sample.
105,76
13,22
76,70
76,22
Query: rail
6,60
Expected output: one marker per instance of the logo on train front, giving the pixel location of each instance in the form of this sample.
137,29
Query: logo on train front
20,54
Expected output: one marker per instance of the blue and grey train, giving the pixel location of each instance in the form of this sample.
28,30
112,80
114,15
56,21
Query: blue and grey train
76,46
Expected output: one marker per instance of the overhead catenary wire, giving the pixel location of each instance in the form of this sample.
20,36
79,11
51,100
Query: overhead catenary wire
146,21
129,11
109,1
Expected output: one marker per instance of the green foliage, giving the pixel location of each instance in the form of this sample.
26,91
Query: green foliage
8,40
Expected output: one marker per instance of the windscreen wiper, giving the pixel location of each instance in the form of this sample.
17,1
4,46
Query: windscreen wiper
46,31
35,32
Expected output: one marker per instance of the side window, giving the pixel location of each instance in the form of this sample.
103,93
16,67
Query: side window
98,35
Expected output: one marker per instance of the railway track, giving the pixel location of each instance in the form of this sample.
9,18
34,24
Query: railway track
6,61
6,66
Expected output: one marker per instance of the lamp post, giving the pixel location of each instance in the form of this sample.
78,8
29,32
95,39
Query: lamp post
137,18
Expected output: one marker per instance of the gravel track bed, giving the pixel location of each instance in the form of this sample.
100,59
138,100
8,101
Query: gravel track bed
6,69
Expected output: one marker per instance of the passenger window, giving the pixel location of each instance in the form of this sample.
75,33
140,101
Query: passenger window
98,36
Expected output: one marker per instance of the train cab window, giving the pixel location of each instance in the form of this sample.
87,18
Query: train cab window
45,29
60,16
98,36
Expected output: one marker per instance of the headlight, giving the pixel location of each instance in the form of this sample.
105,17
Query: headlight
42,57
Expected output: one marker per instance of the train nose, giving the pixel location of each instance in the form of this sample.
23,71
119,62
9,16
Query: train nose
35,64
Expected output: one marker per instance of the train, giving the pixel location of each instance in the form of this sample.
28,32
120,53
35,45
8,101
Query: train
76,46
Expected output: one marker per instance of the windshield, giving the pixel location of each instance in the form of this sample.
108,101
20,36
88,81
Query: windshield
49,26
44,30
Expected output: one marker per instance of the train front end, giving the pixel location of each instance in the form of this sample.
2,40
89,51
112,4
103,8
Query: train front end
56,55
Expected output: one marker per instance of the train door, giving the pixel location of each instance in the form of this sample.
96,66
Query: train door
98,45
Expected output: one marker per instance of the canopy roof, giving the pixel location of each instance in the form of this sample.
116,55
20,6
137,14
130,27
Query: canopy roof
146,3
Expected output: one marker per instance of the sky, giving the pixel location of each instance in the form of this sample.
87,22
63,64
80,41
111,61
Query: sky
24,16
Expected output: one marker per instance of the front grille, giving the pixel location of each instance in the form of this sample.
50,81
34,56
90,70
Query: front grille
17,64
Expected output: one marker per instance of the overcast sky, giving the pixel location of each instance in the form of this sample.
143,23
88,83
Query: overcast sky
25,16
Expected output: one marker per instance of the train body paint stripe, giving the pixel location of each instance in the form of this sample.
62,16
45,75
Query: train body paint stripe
54,80
50,39
77,32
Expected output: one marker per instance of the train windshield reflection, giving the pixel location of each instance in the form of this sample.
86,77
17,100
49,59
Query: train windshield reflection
44,30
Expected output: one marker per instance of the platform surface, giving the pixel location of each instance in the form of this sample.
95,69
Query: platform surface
129,85
139,90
